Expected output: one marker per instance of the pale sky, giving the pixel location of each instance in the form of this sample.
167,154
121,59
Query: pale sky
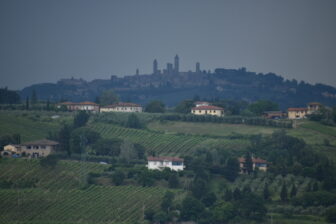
44,40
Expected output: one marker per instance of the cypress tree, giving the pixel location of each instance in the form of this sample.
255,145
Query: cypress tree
293,191
248,163
284,193
266,193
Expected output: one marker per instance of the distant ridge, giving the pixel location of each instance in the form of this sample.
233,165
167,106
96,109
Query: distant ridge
171,88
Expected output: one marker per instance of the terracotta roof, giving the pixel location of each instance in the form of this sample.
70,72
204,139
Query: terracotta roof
165,158
297,109
254,160
121,104
41,142
314,103
87,103
207,108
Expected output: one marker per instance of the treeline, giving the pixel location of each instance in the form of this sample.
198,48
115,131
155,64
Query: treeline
9,96
228,119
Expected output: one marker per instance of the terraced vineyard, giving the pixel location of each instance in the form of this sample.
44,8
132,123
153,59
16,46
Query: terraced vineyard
93,205
165,144
66,175
59,195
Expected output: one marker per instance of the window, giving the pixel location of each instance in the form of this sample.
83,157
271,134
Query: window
177,163
29,147
43,147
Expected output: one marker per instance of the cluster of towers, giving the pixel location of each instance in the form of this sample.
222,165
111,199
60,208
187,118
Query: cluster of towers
171,69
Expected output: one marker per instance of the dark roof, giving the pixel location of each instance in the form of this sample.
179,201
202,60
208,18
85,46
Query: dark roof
254,160
165,158
80,103
207,108
41,142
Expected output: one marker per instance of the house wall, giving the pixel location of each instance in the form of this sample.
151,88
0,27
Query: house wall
37,150
297,114
313,108
12,148
160,165
121,109
218,113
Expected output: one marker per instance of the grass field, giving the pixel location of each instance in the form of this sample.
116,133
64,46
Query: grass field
312,133
167,143
209,128
30,125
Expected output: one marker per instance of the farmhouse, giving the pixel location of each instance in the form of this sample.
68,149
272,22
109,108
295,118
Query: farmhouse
297,113
159,163
274,114
122,107
39,148
313,107
86,106
208,110
257,163
11,150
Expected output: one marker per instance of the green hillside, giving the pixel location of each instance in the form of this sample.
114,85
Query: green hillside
38,195
164,143
30,125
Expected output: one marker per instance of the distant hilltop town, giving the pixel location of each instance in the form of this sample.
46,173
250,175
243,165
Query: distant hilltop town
171,86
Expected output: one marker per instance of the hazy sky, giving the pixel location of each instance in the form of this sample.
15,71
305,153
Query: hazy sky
44,40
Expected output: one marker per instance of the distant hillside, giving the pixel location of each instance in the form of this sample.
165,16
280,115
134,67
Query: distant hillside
236,84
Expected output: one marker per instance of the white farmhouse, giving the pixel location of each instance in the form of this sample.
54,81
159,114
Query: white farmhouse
122,107
159,163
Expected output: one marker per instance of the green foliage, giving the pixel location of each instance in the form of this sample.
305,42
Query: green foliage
251,207
191,209
173,181
133,122
199,188
33,98
293,191
263,105
118,177
248,165
9,139
223,212
64,138
81,119
323,198
9,96
82,137
232,169
167,201
331,215
284,193
108,97
155,106
266,192
107,147
184,106
49,161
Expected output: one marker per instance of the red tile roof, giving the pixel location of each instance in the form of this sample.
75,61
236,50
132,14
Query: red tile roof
121,104
207,108
165,158
314,103
297,109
